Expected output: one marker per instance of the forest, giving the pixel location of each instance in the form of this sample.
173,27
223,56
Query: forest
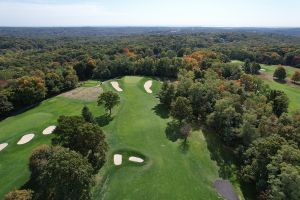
201,86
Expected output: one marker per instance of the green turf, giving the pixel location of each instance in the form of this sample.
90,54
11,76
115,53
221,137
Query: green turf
137,129
169,172
14,158
90,83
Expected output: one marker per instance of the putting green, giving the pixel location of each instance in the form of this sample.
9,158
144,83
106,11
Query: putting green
169,171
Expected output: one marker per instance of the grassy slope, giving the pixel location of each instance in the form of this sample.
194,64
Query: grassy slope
168,172
292,92
14,158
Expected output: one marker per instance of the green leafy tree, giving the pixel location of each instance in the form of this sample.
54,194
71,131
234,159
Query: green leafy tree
181,109
203,97
109,100
257,157
87,115
5,104
65,175
226,120
86,138
185,81
54,83
19,195
284,174
279,100
167,94
280,73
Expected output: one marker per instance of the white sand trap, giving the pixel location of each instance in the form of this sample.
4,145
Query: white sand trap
117,159
26,138
49,130
147,86
262,70
136,159
2,146
115,85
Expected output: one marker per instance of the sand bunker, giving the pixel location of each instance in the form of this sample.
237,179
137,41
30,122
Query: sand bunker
115,85
147,86
136,159
49,130
2,146
26,138
117,159
262,70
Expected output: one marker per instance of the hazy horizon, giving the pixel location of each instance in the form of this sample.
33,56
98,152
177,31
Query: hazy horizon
134,13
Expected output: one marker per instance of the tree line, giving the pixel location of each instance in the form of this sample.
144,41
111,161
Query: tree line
249,118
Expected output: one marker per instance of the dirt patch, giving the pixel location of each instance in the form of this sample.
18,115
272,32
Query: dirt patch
83,93
225,189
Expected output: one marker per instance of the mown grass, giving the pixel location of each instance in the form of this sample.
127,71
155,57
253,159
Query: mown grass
172,170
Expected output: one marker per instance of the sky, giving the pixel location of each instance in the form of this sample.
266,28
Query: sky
208,13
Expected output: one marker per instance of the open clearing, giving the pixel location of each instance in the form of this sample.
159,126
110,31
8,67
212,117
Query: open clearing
136,130
83,93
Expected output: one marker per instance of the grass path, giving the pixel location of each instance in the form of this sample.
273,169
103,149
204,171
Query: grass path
168,172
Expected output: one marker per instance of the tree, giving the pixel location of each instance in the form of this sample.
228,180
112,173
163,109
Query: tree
284,174
87,115
279,100
280,73
185,131
109,100
296,77
19,195
186,79
181,109
166,94
5,104
54,83
247,66
28,90
65,175
86,138
226,120
257,157
203,97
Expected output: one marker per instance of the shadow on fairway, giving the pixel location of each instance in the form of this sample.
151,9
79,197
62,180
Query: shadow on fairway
161,111
184,146
104,120
173,131
226,161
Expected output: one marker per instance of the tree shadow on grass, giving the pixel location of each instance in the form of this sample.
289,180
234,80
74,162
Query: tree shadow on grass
226,161
104,120
184,146
173,131
161,111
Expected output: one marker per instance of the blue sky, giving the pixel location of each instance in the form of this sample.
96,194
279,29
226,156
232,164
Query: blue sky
228,13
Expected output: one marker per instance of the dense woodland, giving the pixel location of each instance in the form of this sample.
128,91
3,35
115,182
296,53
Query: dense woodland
249,118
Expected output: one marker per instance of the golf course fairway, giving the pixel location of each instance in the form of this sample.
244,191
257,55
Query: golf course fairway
169,171
137,128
